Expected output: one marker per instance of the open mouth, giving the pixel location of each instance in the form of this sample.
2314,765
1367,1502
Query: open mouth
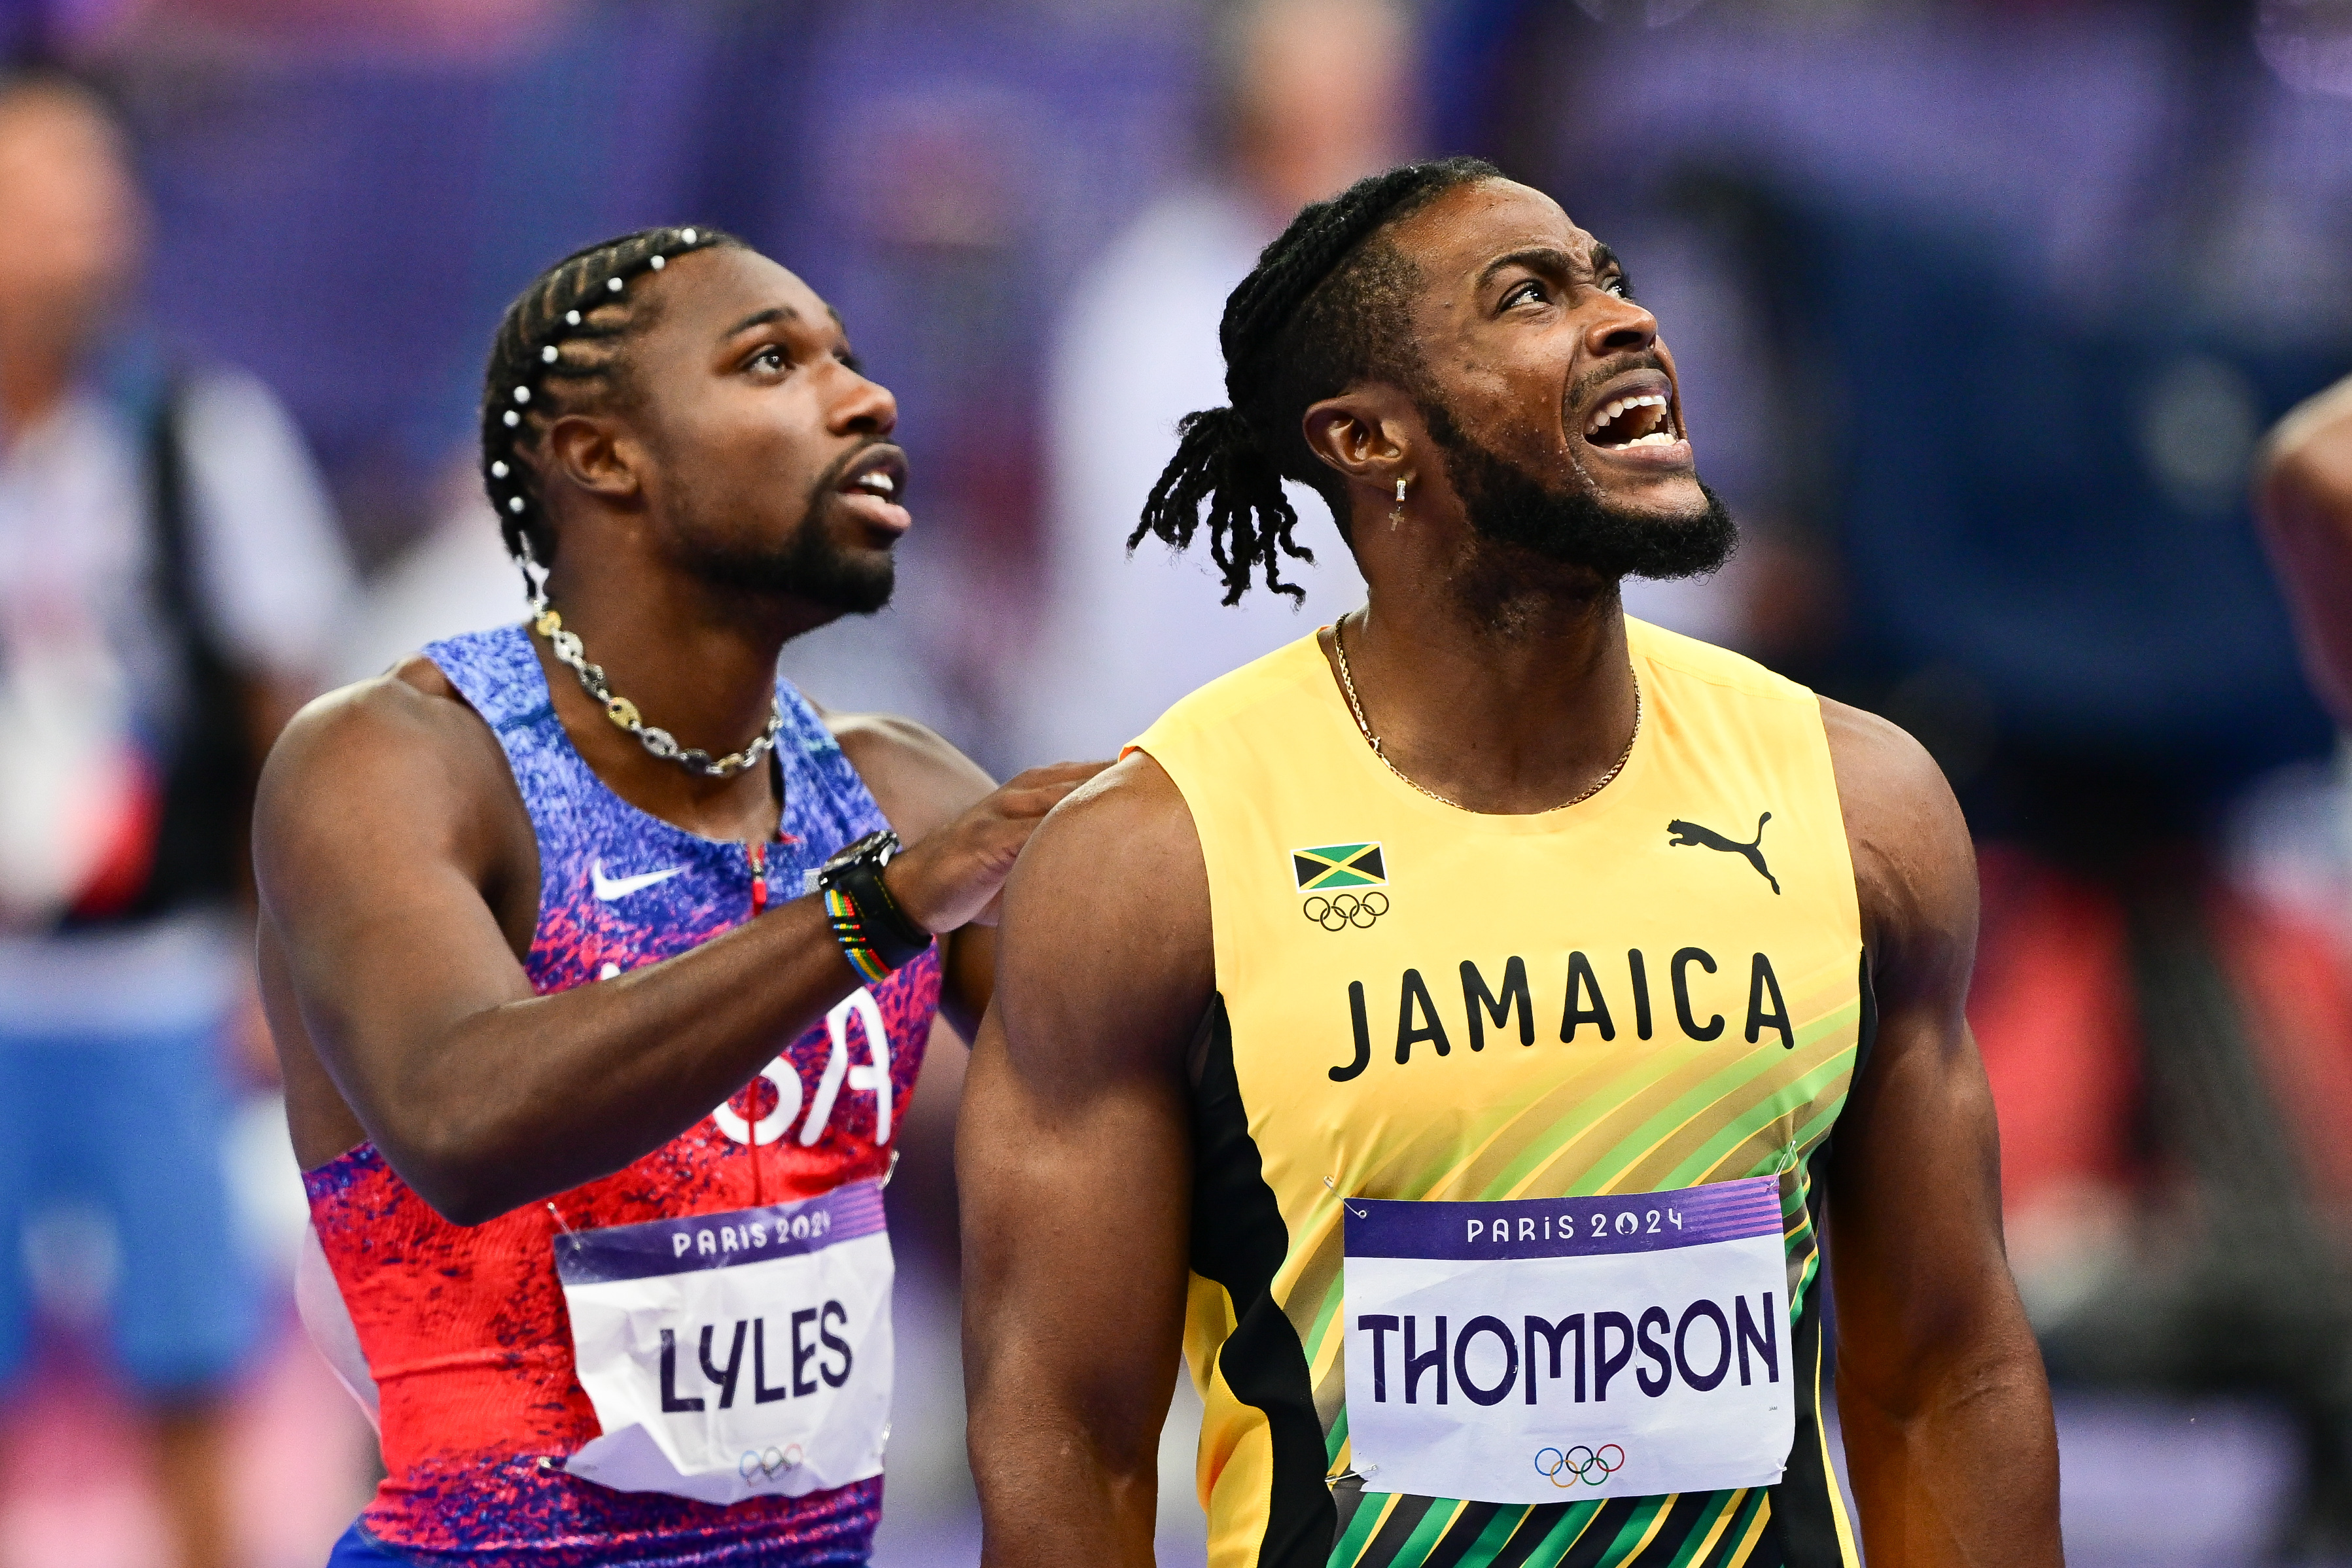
880,473
1642,419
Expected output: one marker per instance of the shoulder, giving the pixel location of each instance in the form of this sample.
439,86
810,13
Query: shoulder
1914,865
1130,820
401,732
917,778
1672,653
1235,710
1106,932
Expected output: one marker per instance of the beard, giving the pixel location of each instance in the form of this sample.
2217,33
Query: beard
810,565
1507,504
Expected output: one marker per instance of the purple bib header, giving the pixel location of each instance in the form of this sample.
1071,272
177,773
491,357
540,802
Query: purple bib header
1563,1227
660,1247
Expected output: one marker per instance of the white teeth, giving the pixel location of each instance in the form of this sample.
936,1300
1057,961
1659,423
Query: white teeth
1617,407
880,482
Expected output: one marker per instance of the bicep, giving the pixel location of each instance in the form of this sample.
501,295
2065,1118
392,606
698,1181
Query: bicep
1915,1216
382,936
1074,1145
1915,1210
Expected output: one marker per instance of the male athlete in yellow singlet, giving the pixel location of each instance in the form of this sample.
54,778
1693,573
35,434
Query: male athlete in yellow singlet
1461,1028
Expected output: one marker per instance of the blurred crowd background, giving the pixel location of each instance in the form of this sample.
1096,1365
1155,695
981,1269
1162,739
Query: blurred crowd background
1981,308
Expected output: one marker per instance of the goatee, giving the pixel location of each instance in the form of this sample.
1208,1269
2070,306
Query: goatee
1506,503
811,566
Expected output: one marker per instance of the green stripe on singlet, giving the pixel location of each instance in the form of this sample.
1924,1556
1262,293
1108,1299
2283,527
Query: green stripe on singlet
1555,1543
1606,1168
1370,1508
1718,1505
1481,1552
1736,1131
1620,1550
1758,1497
1416,1547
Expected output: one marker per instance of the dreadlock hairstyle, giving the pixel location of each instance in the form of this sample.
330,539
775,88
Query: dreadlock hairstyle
1327,306
559,351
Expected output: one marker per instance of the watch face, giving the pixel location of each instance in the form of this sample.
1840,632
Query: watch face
880,846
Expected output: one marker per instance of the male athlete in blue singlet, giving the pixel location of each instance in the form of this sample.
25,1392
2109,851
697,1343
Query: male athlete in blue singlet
599,989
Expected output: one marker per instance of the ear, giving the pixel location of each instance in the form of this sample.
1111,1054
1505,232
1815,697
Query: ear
1367,433
591,454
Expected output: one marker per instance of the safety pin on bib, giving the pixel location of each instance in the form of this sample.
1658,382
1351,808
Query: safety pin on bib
1350,1207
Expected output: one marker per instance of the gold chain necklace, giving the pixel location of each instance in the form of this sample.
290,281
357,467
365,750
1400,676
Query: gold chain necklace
1347,684
566,646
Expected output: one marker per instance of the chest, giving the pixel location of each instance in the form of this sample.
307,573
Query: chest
1652,1001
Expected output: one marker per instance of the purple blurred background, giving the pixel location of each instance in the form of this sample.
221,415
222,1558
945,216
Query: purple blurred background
1981,309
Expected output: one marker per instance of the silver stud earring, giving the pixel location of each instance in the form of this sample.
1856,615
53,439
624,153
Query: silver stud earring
1396,515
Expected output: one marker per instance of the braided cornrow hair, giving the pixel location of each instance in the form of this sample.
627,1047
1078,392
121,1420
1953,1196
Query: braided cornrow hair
1327,306
559,351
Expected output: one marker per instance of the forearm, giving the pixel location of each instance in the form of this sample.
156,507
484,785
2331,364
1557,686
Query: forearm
1961,1466
1049,1496
1075,1225
513,1103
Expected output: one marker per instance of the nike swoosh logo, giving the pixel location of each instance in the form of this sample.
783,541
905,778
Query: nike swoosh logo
612,887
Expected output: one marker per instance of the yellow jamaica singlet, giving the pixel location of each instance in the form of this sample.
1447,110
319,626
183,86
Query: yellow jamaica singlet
1659,987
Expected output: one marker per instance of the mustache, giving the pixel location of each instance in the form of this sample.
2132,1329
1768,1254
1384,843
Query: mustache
1640,360
830,480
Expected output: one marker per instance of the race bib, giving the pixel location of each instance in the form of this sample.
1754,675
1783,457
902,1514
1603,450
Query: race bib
735,1355
1564,1349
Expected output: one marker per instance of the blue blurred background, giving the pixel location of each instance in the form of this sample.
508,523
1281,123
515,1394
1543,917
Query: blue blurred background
1981,308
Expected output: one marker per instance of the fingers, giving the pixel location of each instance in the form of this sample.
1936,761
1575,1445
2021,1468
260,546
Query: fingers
1037,791
952,877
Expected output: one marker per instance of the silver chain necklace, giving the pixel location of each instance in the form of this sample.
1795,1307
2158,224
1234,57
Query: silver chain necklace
568,652
1347,684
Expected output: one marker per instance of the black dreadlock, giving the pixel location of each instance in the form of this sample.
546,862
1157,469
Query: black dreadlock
558,351
1327,306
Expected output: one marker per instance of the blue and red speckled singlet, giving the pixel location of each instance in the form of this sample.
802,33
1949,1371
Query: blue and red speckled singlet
464,1329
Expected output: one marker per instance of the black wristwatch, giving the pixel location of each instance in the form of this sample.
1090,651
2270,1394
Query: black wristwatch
875,934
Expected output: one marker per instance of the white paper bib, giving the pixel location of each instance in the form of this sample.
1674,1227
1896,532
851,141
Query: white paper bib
1566,1349
735,1355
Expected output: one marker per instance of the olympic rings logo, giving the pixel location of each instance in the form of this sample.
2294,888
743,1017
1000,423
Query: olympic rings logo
1580,1464
771,1464
1342,910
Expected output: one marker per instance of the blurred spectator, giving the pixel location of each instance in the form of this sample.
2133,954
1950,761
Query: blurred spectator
1311,95
169,577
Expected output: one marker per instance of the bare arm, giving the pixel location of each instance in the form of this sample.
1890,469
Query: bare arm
389,880
922,783
1946,1408
1075,1139
2303,495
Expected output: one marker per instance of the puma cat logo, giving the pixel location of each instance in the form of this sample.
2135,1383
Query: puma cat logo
1688,833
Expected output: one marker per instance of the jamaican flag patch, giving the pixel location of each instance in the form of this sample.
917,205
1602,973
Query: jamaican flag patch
1333,866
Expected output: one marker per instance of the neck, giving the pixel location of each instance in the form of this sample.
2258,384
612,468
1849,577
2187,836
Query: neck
696,662
1500,682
